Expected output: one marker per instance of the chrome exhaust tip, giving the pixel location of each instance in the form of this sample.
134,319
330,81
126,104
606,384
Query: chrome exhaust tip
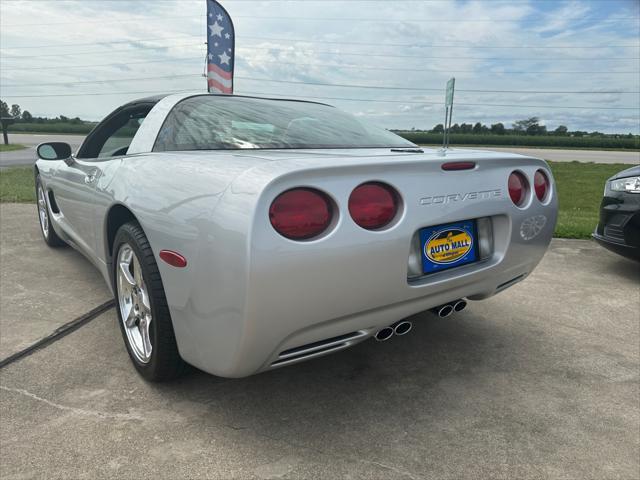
384,334
460,305
402,328
445,310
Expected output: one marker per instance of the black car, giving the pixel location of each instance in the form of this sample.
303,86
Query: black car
619,226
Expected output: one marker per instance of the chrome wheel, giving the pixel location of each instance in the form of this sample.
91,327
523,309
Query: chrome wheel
43,211
134,303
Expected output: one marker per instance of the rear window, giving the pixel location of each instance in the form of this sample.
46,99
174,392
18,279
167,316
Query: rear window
212,122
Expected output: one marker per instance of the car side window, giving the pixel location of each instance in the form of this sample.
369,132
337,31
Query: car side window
118,143
112,137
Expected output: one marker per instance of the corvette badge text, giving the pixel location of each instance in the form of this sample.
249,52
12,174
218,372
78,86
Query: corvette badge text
461,197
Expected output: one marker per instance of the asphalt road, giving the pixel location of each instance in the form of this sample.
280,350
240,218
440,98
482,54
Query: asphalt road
539,382
560,155
28,156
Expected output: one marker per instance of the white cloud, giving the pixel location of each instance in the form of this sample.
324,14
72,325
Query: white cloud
141,27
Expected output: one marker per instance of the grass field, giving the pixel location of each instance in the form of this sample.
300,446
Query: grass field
467,139
11,147
16,185
537,147
580,187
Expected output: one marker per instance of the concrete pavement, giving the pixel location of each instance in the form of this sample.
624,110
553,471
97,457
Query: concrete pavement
40,288
541,381
28,156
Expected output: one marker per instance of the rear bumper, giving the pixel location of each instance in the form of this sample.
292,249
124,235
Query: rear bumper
365,324
262,341
292,303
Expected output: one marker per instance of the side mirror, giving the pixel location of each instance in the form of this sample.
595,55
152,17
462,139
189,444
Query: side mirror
54,151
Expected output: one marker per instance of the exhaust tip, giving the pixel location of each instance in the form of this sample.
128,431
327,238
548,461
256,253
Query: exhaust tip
460,305
402,328
384,334
445,311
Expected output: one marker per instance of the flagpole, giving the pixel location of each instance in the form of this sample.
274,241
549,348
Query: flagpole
204,70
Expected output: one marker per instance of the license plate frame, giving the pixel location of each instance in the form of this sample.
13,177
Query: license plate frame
448,245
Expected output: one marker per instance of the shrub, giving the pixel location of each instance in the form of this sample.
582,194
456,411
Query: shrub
58,127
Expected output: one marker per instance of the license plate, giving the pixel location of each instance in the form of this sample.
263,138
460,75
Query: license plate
448,246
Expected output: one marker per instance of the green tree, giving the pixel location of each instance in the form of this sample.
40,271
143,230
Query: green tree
498,129
26,116
536,129
438,128
521,126
477,128
4,109
466,128
561,130
16,111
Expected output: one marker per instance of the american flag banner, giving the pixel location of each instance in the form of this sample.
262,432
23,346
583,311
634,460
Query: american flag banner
220,49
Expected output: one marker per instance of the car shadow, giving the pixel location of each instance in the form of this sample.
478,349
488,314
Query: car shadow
626,268
425,375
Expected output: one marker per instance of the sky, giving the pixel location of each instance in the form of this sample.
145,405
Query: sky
386,61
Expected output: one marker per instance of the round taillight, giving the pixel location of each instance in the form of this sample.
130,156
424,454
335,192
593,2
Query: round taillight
373,205
517,188
541,184
300,213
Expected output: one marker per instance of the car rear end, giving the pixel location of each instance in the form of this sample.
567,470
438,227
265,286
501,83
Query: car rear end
312,292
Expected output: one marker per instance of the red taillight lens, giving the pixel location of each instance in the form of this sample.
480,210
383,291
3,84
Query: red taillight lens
300,213
517,188
541,184
373,205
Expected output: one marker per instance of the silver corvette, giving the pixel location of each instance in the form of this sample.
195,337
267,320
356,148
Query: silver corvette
241,234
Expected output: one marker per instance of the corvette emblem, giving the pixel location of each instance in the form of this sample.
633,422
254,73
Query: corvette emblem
448,245
532,226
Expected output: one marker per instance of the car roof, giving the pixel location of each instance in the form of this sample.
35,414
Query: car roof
156,98
151,100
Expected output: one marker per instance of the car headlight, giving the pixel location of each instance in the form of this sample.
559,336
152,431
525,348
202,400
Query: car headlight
629,185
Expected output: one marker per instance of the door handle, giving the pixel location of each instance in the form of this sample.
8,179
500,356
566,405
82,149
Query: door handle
90,177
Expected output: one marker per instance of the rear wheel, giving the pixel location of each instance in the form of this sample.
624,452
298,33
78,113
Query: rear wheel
50,236
143,314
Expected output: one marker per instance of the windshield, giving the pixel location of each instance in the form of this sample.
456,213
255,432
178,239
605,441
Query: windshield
211,122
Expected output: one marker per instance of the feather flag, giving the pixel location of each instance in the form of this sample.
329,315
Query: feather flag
220,49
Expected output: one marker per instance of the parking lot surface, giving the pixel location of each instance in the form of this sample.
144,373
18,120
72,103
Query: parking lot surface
40,288
541,381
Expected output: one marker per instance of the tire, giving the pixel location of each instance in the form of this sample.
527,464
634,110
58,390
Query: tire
143,314
50,236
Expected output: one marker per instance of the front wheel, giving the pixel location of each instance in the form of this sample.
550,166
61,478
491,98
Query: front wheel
143,313
50,236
